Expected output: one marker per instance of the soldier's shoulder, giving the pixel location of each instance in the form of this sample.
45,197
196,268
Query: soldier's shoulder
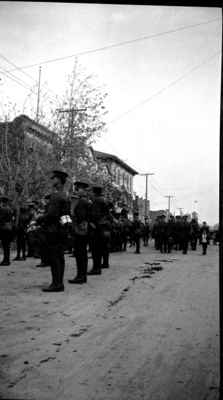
59,196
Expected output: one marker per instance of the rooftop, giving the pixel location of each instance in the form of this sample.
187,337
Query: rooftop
107,156
32,126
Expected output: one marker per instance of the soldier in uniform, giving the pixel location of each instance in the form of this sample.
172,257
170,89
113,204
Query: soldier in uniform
146,232
185,235
178,233
80,219
137,228
99,226
162,234
170,233
52,221
6,228
154,233
204,237
125,229
194,234
41,237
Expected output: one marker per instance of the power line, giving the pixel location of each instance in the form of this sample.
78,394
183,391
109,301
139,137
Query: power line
16,67
157,190
26,74
119,44
160,91
15,79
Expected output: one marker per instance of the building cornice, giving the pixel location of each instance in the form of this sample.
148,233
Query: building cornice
99,155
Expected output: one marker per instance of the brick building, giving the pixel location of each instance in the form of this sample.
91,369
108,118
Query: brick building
121,175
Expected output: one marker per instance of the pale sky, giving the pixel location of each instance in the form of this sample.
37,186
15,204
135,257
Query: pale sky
164,91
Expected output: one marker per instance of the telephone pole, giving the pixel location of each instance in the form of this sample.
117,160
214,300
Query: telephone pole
72,112
38,96
169,197
146,194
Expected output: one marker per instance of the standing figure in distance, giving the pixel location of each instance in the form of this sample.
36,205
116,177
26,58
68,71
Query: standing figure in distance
99,231
194,234
55,234
80,218
185,234
137,228
146,232
204,237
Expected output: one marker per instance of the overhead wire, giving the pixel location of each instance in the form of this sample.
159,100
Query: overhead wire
157,190
99,49
163,89
26,74
15,79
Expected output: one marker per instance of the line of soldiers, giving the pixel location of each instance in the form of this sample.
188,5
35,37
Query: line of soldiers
83,219
178,233
86,222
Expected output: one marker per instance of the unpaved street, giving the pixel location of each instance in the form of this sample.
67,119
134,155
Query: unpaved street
133,333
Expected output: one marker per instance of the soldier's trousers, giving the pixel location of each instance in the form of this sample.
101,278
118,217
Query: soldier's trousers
185,246
204,248
194,244
81,255
96,251
163,245
146,240
105,249
137,243
6,250
57,263
100,250
6,237
21,242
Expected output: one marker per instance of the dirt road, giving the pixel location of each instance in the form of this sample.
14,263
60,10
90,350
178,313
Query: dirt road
146,329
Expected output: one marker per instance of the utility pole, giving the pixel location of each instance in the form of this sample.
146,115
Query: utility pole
38,97
72,112
146,194
169,197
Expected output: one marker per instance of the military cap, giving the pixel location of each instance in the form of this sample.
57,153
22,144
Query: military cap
136,213
81,184
59,173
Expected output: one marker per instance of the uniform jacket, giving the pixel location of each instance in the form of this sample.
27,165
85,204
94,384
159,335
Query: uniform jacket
80,216
99,213
6,217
